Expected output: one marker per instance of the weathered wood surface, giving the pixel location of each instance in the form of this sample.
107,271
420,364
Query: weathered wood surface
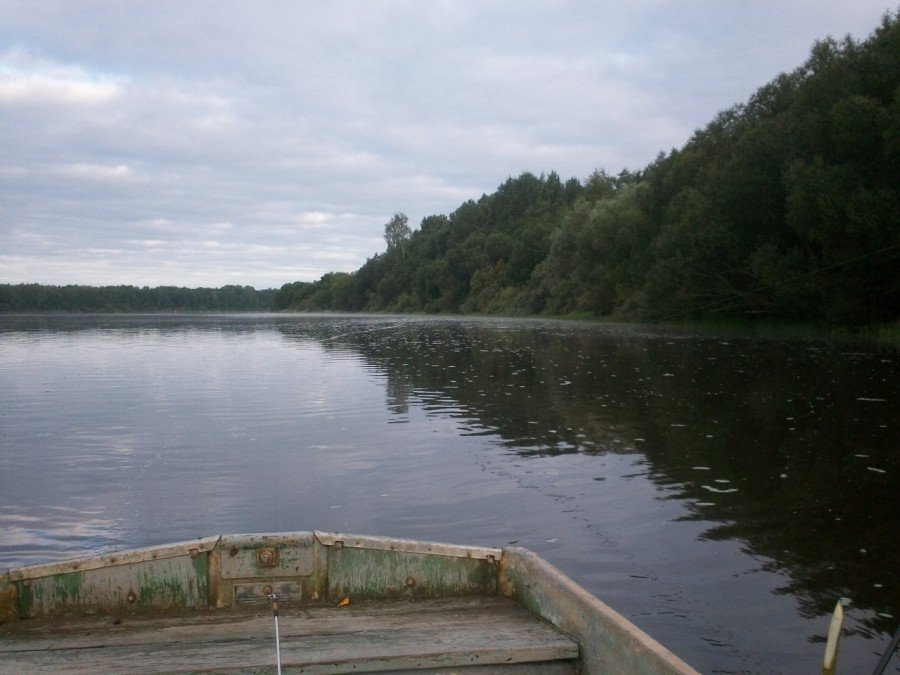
610,643
406,546
308,572
485,633
383,574
183,548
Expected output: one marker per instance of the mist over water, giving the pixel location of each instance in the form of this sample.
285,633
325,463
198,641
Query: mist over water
721,492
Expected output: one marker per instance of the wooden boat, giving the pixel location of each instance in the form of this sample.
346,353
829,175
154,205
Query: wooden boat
314,602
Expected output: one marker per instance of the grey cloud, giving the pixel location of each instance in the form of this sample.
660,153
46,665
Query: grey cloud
207,143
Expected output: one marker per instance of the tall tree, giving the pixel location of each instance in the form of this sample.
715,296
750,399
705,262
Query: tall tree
397,232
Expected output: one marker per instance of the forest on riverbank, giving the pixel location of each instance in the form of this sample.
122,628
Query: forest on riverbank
104,299
784,207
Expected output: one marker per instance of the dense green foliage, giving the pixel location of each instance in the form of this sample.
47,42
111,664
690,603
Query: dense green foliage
783,207
39,298
478,259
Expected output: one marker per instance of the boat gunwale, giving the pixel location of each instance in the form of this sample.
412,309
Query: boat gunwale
191,547
376,543
194,547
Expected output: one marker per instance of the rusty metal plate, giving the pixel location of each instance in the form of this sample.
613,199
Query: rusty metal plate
267,556
258,594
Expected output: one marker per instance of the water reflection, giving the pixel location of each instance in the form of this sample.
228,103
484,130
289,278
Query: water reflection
681,478
789,447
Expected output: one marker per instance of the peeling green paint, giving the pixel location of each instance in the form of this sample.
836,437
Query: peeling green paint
389,574
25,600
200,563
165,590
67,587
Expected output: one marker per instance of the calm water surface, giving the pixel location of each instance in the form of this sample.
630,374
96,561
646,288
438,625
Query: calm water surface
720,492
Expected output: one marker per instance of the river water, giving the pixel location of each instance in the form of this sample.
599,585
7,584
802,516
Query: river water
721,492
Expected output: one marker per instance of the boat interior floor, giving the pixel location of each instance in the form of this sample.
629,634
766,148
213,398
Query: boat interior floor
469,634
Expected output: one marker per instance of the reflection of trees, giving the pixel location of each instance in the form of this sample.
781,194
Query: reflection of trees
398,391
777,424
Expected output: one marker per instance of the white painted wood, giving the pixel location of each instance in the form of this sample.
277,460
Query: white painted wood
829,663
184,548
407,546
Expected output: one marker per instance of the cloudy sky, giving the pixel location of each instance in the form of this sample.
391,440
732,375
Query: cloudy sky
218,142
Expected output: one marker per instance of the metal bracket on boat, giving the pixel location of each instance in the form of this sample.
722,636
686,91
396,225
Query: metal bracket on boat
288,555
267,556
261,593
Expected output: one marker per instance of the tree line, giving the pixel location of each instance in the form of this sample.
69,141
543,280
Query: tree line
784,207
101,299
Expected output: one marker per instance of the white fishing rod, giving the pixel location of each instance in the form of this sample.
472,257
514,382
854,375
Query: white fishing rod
274,599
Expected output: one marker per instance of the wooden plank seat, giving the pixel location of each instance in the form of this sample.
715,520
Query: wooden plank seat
474,634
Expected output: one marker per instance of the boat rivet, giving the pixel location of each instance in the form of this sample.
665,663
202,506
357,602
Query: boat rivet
339,545
233,552
410,582
267,590
267,557
490,559
131,596
194,552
